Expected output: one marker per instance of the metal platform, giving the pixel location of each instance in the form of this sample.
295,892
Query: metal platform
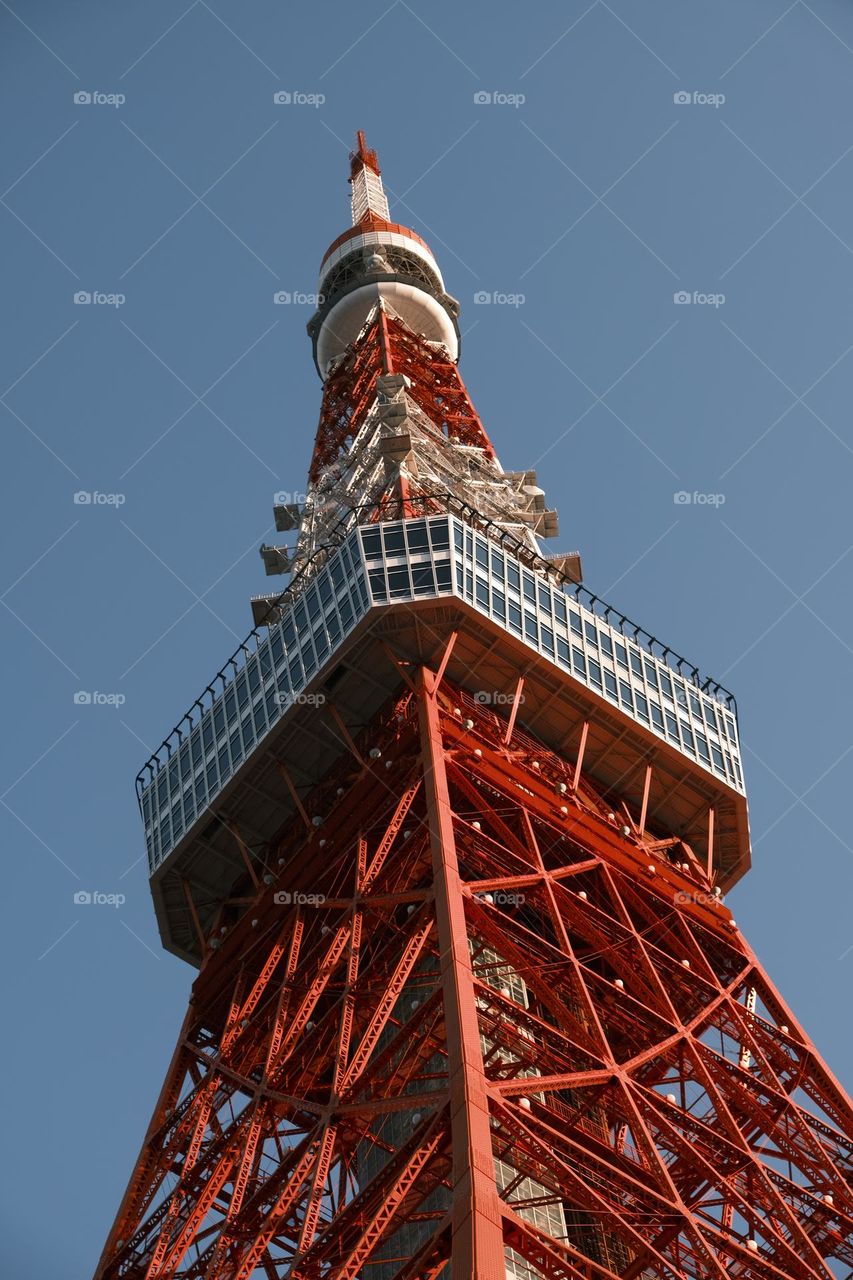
407,584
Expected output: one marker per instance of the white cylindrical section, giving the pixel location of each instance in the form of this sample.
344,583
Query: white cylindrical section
415,307
377,240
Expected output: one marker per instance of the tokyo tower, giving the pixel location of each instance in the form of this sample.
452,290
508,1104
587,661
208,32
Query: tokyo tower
447,839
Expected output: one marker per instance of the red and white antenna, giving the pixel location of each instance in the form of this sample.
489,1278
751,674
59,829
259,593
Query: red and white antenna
368,194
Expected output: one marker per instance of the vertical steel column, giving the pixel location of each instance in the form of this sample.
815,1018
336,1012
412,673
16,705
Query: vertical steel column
478,1249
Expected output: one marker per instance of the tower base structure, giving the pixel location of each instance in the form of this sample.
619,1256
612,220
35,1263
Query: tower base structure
473,1022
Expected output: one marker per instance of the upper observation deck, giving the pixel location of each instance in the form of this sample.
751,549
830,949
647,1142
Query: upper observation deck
417,579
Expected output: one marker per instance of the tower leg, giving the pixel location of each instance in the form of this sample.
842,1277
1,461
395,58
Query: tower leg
478,1249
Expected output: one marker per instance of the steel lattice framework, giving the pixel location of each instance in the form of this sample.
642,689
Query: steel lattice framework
470,1004
389,347
655,1083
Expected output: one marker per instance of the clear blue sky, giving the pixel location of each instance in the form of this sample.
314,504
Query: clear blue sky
597,198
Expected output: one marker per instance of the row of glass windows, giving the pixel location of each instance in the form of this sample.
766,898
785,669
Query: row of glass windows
417,537
523,588
286,659
685,732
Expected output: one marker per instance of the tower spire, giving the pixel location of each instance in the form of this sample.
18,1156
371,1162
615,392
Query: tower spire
368,193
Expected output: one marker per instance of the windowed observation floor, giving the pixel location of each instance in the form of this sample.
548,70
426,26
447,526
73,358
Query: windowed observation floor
407,561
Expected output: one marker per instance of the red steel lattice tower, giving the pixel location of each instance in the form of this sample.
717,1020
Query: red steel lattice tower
448,839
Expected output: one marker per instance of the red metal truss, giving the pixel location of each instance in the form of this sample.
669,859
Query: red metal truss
387,346
468,1000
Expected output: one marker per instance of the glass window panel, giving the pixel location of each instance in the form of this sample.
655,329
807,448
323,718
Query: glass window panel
422,578
416,536
392,536
371,542
398,581
440,535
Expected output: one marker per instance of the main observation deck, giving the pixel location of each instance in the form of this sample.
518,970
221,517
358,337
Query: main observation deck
558,632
